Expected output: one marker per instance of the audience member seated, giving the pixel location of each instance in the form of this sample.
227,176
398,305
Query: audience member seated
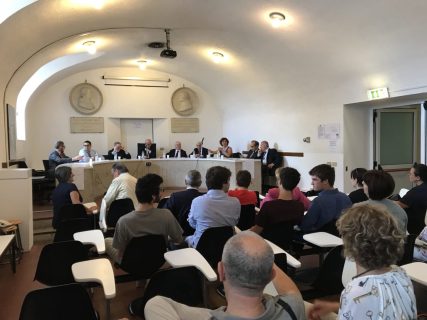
199,151
148,150
224,149
297,194
415,200
66,192
284,208
122,186
214,209
330,202
270,161
57,157
247,266
87,153
179,203
380,290
177,152
145,220
245,196
420,248
378,185
118,152
356,177
254,152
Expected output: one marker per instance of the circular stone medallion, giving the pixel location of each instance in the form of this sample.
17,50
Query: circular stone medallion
85,98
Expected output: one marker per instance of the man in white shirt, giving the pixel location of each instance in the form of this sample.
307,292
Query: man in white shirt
87,152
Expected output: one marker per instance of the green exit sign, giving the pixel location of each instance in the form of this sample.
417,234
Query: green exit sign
378,93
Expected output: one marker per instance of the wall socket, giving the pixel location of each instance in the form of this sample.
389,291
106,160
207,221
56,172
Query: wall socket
332,163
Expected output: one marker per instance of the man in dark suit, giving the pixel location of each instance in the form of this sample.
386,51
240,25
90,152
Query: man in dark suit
177,152
117,152
199,151
270,162
179,203
148,149
254,153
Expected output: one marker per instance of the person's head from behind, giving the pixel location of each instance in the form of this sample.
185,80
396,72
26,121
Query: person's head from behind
247,264
371,236
218,178
377,184
289,178
193,179
147,188
243,179
60,146
64,174
322,177
418,173
356,176
118,168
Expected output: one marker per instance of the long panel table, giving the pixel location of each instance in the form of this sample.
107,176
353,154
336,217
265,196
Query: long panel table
93,179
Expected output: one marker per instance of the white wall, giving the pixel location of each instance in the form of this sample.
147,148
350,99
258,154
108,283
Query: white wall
49,112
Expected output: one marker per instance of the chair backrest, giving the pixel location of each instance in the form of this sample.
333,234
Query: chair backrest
408,250
66,302
247,217
162,202
118,208
55,261
281,234
236,155
144,255
183,285
330,227
46,165
72,211
211,243
329,279
67,228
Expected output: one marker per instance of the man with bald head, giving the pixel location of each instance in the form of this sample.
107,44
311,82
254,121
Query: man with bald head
247,266
199,151
148,149
177,152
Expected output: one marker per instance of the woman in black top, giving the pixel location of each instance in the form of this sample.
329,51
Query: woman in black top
356,180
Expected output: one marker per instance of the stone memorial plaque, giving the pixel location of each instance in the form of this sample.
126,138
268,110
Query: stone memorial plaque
86,124
184,125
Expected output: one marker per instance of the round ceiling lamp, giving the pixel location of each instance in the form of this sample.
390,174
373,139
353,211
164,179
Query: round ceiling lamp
90,47
277,19
217,57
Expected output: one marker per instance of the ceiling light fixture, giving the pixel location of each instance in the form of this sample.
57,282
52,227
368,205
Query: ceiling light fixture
277,19
142,64
217,57
90,46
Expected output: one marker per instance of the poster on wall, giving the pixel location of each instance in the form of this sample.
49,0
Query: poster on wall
11,131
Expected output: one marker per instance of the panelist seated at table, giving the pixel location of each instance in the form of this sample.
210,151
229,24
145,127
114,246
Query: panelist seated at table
87,152
177,152
380,289
253,152
199,151
246,268
224,150
145,220
65,193
147,150
118,152
58,156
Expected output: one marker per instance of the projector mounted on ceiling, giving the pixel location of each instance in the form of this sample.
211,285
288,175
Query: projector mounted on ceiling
168,52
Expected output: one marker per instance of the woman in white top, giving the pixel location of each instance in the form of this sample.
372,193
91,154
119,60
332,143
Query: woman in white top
380,290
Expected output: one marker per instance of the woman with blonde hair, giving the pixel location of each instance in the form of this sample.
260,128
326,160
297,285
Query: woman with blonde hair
380,290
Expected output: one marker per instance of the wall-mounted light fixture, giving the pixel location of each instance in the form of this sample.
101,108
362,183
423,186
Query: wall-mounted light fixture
217,57
90,46
277,19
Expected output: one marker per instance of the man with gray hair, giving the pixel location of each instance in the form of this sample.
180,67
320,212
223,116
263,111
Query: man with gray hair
247,266
179,203
122,186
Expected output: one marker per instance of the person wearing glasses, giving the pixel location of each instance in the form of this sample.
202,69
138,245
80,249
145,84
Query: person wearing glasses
87,152
58,156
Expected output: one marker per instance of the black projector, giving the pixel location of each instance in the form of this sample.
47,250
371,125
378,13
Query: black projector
168,53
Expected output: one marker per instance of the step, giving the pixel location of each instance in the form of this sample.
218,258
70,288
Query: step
41,223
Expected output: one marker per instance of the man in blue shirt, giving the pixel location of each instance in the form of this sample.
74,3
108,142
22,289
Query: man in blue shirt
330,203
215,208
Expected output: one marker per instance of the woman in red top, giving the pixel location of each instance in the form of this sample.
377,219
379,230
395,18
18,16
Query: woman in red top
245,196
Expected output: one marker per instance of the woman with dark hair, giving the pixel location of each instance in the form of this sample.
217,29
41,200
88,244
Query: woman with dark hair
378,186
224,149
356,176
66,192
380,290
415,200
